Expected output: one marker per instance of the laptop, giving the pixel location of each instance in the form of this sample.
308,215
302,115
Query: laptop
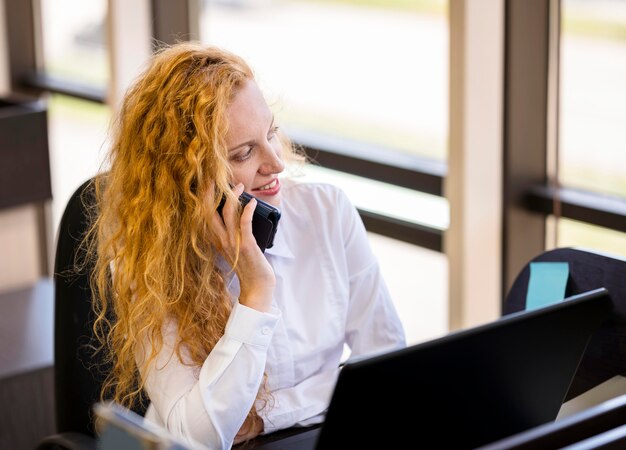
463,390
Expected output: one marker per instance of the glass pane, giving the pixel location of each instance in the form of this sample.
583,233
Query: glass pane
577,234
385,199
418,283
593,95
76,134
74,40
368,70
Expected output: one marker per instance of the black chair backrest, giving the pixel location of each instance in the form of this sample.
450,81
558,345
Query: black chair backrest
78,376
79,373
605,356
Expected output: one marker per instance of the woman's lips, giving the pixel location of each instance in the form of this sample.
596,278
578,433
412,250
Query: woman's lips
270,189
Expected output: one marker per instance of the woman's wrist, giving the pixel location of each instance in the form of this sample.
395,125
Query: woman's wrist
261,301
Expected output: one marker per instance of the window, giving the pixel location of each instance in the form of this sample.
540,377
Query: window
73,57
76,134
74,41
365,70
592,142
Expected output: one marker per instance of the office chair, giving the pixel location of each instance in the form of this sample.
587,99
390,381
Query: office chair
78,373
605,356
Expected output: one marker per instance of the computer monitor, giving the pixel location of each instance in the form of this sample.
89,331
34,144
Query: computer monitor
469,387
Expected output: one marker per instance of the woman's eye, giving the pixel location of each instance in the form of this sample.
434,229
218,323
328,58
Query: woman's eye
242,156
272,133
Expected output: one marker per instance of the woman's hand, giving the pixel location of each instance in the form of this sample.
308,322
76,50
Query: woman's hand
256,277
251,428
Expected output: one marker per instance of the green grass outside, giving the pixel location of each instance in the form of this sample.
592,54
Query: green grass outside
608,181
580,26
574,22
77,109
422,144
419,6
573,233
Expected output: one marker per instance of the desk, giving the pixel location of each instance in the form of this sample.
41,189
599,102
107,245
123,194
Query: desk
26,366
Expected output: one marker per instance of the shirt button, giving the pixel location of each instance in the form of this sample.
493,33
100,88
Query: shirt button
265,330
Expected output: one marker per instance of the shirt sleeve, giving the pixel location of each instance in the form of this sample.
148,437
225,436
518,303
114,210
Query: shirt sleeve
372,324
208,405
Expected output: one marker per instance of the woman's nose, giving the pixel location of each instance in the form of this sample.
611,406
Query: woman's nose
272,161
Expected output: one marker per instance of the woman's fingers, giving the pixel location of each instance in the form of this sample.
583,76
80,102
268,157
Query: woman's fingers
246,221
239,225
224,222
230,227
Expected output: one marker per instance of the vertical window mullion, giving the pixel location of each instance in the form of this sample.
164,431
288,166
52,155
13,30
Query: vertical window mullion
130,34
473,184
525,138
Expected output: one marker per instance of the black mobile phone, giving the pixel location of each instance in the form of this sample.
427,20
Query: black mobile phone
264,220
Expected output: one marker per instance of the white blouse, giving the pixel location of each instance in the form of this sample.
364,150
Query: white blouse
329,292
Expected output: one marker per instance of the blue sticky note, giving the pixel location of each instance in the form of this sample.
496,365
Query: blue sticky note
546,284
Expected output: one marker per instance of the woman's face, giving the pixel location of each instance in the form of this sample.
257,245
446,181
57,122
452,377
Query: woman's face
255,152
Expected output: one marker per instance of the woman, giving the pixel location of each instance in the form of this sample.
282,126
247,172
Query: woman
226,341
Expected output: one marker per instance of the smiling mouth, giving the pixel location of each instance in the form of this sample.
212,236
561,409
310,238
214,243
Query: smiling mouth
270,185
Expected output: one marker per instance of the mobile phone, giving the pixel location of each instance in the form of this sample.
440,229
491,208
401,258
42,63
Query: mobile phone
264,220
